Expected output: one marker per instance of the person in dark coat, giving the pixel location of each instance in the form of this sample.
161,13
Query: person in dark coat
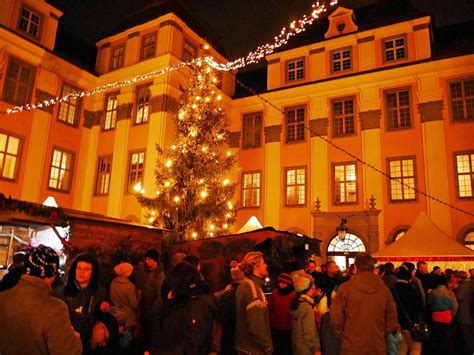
389,277
465,316
82,294
408,300
15,270
187,315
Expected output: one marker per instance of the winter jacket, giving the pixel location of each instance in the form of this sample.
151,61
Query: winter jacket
33,322
150,284
252,333
407,295
465,297
124,295
304,334
390,280
363,313
279,310
185,326
443,304
226,316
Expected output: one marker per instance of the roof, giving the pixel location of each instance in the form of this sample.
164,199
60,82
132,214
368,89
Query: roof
179,8
425,240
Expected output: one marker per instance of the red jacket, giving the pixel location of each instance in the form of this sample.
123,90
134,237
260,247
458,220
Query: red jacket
279,310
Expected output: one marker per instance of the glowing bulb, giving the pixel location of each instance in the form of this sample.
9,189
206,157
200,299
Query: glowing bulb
207,99
193,132
219,97
167,184
220,136
211,234
181,115
229,153
153,213
150,220
204,149
206,46
214,80
169,163
194,106
201,181
176,199
228,215
142,191
137,187
157,192
212,227
197,98
194,235
203,194
229,205
173,147
225,226
199,77
208,69
225,182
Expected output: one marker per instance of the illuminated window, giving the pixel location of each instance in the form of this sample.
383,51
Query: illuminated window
189,51
9,156
465,174
60,175
397,104
69,109
295,124
19,82
252,130
295,186
399,234
29,22
135,170
350,244
343,117
103,175
403,170
251,189
295,70
462,100
345,183
117,57
394,49
148,46
110,111
341,60
469,240
143,104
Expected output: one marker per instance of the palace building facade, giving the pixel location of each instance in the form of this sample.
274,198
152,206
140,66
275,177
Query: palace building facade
363,95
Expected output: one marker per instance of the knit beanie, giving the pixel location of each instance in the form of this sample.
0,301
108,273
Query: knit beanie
302,282
285,278
42,262
235,272
153,254
404,273
123,269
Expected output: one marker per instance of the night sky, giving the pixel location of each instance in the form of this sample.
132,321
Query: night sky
239,25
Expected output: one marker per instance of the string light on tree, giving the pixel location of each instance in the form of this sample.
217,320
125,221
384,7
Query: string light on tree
196,199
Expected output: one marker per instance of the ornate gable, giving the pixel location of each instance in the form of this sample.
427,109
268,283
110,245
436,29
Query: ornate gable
341,21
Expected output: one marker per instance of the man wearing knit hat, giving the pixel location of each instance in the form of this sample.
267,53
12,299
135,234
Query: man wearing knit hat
33,321
150,282
252,334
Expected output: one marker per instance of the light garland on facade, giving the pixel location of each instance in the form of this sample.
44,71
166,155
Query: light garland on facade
253,57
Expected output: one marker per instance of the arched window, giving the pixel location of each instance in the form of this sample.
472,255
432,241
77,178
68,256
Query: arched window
400,233
469,239
344,251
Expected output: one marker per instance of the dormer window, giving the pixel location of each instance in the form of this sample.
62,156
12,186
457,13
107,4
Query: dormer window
395,48
341,26
29,22
341,22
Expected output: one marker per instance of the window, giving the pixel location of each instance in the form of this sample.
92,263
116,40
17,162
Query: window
19,82
110,111
462,100
469,240
343,117
295,124
143,104
103,175
403,184
397,104
341,60
252,127
135,169
189,51
69,109
398,234
117,57
29,22
465,174
345,183
251,189
295,70
60,175
394,49
148,46
350,244
295,186
9,156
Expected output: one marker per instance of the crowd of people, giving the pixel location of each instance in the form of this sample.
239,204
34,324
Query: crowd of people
149,309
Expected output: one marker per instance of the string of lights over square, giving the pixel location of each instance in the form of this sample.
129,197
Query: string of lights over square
252,57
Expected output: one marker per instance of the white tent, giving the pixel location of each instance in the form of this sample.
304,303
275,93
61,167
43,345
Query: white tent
426,241
252,224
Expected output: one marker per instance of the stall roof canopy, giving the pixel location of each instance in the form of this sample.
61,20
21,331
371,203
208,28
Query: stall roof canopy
425,241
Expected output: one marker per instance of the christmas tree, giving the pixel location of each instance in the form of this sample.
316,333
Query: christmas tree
193,197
